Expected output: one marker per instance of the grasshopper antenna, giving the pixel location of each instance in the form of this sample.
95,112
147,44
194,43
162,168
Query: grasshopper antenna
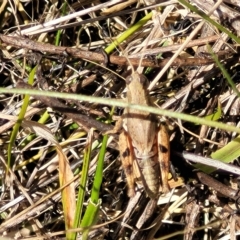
118,45
130,64
139,69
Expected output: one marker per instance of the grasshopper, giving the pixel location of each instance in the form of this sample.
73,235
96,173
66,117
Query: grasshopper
144,147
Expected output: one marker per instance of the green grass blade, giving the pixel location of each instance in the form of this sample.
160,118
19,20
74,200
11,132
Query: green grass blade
128,33
90,216
59,32
82,188
118,103
224,72
99,172
20,118
226,154
216,115
229,152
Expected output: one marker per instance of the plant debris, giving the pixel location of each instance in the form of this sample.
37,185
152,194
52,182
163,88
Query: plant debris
85,48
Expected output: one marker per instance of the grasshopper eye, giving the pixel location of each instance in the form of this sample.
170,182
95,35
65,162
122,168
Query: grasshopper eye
143,80
129,80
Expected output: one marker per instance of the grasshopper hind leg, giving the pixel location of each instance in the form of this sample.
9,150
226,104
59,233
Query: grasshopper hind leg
164,156
126,156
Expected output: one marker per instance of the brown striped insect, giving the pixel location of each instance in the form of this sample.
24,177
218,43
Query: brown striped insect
144,146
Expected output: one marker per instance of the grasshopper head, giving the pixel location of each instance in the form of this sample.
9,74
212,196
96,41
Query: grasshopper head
137,79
